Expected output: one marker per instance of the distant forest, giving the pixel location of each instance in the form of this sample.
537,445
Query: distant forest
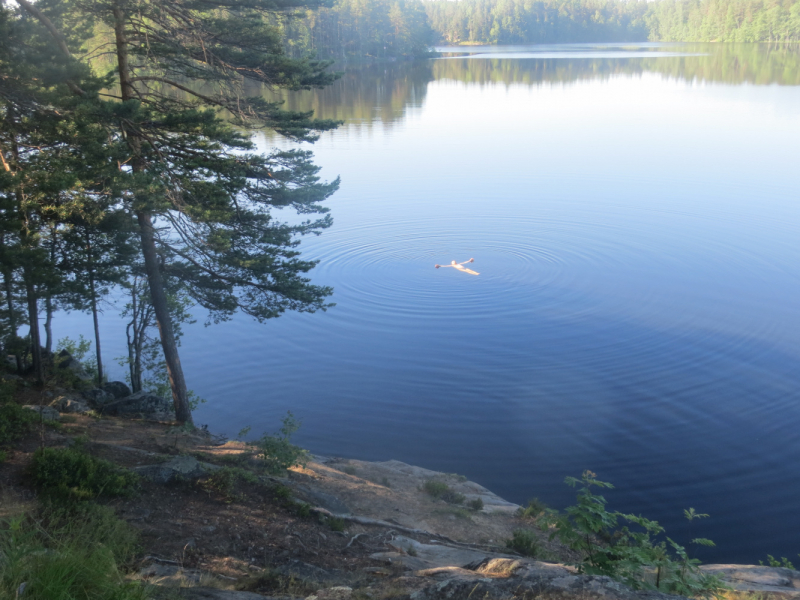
407,28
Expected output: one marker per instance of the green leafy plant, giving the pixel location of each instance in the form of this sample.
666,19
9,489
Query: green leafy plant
442,491
15,422
773,562
277,451
524,542
626,547
225,480
535,509
80,552
302,510
72,474
475,504
335,523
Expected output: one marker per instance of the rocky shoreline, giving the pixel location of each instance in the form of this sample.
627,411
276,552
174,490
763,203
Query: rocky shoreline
214,526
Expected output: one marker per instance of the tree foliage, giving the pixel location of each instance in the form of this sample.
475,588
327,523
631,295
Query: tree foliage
363,29
155,143
551,21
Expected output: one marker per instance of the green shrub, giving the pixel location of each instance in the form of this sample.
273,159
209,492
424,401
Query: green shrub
302,510
282,492
535,509
71,473
68,554
773,562
349,469
336,523
630,553
6,391
15,422
225,480
475,504
524,542
441,490
278,452
3,456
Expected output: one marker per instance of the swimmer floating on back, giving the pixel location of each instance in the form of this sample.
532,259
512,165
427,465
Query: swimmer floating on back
460,266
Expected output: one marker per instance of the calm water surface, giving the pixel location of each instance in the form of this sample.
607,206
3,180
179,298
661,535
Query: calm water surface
634,213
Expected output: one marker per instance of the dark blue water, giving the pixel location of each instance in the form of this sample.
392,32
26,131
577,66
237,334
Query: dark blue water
635,221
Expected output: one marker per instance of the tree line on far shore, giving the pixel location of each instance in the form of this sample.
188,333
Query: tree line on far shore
379,29
554,21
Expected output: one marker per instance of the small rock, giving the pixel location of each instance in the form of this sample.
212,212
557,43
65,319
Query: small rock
47,413
118,389
340,592
70,404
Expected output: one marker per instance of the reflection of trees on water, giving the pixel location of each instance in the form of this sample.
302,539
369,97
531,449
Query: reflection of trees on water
375,93
721,63
382,93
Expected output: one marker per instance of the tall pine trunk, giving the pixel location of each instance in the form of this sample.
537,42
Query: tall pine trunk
158,296
48,299
183,412
96,332
48,324
12,317
93,298
33,319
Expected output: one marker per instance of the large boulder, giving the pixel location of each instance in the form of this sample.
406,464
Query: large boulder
758,580
503,578
69,362
97,398
142,405
117,389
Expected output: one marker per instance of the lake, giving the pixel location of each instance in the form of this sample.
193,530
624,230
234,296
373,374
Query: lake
634,214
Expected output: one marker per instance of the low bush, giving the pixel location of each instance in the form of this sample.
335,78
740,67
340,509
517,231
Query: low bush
476,504
774,562
524,542
442,491
535,509
71,473
225,480
335,523
277,451
626,547
15,422
67,554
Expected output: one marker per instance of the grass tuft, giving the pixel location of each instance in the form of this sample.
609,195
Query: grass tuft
524,542
442,491
68,554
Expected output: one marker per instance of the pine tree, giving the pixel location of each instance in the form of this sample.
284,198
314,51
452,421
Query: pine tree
187,72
